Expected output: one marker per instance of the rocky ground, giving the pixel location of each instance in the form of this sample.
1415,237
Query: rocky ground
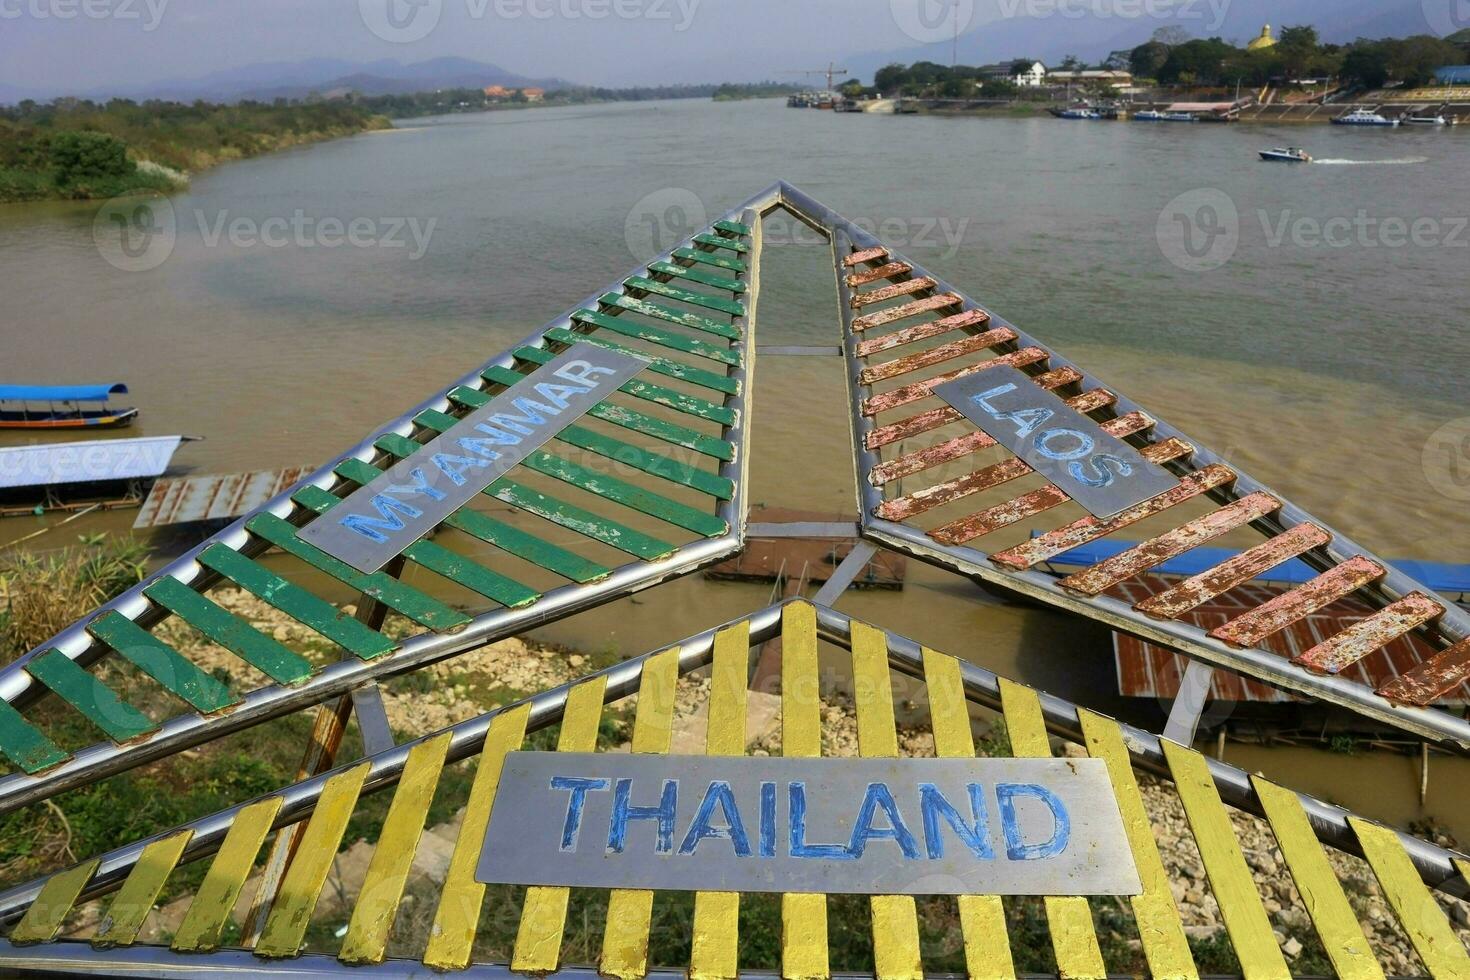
465,686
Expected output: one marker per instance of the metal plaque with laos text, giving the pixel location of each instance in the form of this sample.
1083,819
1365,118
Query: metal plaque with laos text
377,521
754,824
1100,471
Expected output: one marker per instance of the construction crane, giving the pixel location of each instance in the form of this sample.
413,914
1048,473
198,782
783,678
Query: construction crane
831,71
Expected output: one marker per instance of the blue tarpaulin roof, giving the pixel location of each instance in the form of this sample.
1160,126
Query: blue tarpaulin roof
1441,577
62,393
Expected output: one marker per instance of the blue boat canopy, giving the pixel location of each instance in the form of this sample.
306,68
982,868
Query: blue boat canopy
62,393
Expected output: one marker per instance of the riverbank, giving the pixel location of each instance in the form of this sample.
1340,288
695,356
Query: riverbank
72,150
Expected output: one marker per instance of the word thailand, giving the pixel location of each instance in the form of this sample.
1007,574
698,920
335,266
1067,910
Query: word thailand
932,822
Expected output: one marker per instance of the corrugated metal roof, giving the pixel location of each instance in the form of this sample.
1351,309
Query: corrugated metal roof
1147,670
63,393
214,496
94,461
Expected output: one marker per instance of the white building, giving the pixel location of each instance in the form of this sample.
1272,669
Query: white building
1022,72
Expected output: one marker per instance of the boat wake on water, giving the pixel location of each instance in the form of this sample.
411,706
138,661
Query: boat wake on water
1364,163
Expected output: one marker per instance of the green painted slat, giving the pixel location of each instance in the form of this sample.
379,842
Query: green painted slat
23,745
297,603
658,365
696,275
719,242
595,442
733,227
684,318
567,515
669,432
161,662
414,604
96,701
435,557
657,394
234,634
607,487
716,303
709,258
660,336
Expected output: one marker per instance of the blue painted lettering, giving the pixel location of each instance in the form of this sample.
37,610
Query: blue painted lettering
880,797
581,373
532,413
719,792
768,820
1085,444
934,806
1016,847
578,786
799,847
623,811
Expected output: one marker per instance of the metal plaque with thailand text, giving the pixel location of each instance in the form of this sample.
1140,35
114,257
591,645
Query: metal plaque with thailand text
378,521
1101,472
756,824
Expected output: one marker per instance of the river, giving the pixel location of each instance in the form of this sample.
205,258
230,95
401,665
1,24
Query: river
1312,331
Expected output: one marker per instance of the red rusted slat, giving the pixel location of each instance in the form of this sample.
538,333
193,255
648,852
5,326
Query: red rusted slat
942,493
926,305
865,255
1363,637
1145,555
1030,504
893,291
936,355
936,418
1432,679
1090,528
1201,588
1251,628
920,390
944,452
880,272
922,331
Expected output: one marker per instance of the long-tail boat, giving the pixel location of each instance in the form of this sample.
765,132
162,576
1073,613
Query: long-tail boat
61,406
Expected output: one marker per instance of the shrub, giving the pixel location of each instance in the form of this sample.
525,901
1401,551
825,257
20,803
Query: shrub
42,594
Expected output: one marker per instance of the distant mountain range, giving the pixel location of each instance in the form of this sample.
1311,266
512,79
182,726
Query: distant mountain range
1052,37
324,76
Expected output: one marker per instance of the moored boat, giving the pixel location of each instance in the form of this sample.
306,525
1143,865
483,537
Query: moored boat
1363,117
60,407
1438,119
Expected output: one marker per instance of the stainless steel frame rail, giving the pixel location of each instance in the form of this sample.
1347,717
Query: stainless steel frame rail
105,759
1435,864
1429,723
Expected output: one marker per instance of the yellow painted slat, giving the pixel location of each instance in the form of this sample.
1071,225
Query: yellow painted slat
803,916
544,912
53,904
387,873
1425,923
630,910
210,911
458,914
895,917
1332,916
1230,879
1069,917
285,927
1159,926
982,917
715,954
134,900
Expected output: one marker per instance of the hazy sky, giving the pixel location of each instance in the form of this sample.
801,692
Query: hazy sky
85,45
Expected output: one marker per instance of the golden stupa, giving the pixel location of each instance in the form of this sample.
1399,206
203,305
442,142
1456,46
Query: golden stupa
1264,41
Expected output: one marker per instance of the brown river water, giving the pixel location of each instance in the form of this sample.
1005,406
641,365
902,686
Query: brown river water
1313,330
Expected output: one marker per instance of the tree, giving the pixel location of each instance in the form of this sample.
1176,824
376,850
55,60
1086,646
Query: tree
890,77
1366,64
1198,61
1117,60
86,156
1413,60
1146,59
1072,63
1296,49
1171,36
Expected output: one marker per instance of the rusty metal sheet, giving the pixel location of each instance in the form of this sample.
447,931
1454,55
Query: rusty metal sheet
214,496
887,271
893,313
892,291
1232,572
864,255
937,355
1373,633
1432,679
920,390
1254,626
922,331
1145,555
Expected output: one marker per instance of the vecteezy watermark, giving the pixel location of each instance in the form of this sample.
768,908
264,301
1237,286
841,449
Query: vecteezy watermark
1199,230
149,13
1446,459
929,21
406,21
1446,17
661,220
942,233
138,234
1210,14
1363,230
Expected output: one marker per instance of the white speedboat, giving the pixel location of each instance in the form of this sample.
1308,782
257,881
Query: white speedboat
1079,113
1363,117
1435,120
1150,115
1286,154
